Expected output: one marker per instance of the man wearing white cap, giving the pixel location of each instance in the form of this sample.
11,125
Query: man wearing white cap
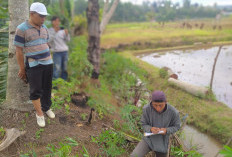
31,40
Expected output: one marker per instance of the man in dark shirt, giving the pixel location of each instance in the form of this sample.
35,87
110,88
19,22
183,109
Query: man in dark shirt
161,119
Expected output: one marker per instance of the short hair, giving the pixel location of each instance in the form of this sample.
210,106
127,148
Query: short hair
54,18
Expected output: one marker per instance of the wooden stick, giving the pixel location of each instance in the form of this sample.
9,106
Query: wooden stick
169,146
129,137
179,142
214,65
227,143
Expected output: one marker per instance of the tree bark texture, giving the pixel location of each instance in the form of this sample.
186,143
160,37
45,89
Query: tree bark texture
17,94
93,50
107,14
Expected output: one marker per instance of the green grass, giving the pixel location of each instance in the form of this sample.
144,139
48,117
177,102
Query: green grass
127,33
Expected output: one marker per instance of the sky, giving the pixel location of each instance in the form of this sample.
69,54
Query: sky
203,2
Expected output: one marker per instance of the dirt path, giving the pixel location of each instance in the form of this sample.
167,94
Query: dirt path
64,125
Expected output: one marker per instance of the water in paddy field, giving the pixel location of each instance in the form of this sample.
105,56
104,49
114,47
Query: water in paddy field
195,67
205,144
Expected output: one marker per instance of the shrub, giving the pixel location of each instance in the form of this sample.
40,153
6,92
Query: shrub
163,73
112,143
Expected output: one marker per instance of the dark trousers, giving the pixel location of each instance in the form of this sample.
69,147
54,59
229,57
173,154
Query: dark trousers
60,60
142,149
40,81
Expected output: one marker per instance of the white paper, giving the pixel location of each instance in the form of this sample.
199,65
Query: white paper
150,134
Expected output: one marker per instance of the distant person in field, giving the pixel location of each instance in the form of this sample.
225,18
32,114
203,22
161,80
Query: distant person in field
58,38
161,119
31,41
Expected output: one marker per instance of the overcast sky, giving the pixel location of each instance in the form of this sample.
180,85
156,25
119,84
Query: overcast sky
204,2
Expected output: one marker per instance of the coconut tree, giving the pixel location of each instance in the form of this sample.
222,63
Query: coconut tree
17,90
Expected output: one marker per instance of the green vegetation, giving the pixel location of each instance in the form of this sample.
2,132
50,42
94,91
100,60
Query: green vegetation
38,133
113,143
131,116
3,64
79,65
178,152
227,151
29,154
163,73
2,133
63,150
121,75
84,116
23,122
63,93
161,11
84,152
152,35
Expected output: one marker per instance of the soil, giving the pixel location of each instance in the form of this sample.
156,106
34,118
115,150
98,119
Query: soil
64,125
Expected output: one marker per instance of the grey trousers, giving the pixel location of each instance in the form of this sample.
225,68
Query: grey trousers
142,149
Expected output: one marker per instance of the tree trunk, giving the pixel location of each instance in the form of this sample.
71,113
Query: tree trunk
92,14
107,15
17,95
106,8
61,6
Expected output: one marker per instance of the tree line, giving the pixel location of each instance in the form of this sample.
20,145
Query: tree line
159,11
164,10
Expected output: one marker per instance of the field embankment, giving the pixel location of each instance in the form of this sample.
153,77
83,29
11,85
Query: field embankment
211,117
152,35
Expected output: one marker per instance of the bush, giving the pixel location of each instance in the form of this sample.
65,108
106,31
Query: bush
163,73
79,25
121,74
79,65
112,142
132,115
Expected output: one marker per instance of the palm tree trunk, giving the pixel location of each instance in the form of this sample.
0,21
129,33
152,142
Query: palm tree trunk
17,94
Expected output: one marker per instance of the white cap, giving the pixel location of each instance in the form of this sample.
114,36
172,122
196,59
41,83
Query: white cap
39,8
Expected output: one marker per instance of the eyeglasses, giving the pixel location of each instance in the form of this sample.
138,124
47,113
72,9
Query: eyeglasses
42,16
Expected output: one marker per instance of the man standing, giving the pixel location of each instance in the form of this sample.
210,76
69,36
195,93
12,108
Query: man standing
161,119
58,38
31,40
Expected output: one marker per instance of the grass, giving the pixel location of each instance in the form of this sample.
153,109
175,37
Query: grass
211,117
112,142
172,33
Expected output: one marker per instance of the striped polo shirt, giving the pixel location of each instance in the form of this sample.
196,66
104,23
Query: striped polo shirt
34,42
